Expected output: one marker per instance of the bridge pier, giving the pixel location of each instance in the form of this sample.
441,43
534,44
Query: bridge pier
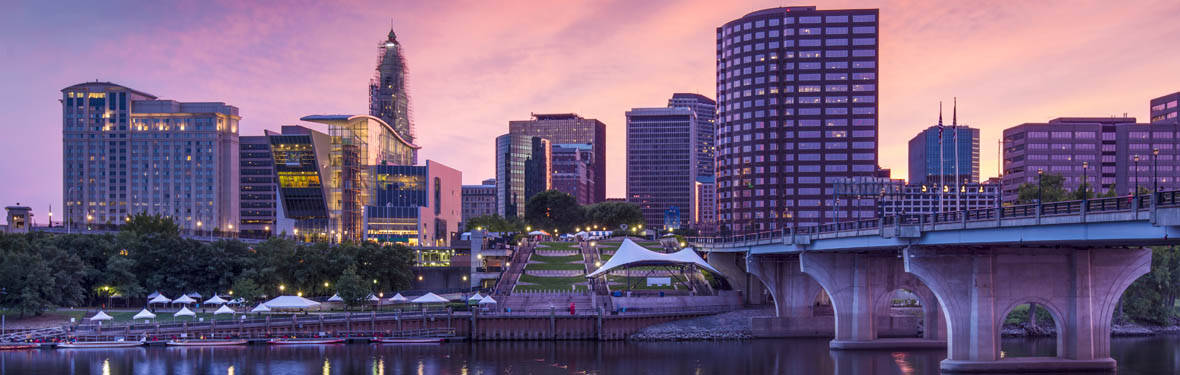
861,287
733,267
978,286
794,295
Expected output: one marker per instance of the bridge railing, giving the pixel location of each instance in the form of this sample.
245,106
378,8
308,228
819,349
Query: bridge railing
1075,207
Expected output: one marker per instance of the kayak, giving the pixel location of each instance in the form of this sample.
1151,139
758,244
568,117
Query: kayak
408,340
306,341
205,342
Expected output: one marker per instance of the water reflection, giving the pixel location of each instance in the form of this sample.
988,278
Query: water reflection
1155,355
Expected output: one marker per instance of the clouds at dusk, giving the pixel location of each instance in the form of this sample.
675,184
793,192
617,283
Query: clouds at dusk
475,65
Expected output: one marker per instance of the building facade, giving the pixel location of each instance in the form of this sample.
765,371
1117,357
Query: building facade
1164,109
523,169
127,152
478,200
960,156
1109,153
705,110
933,198
662,151
258,193
704,207
301,160
572,173
389,98
570,128
414,205
797,109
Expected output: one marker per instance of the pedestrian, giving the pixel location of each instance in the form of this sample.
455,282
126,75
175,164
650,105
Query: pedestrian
571,308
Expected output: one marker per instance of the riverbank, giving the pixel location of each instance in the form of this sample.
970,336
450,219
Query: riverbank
1123,329
733,325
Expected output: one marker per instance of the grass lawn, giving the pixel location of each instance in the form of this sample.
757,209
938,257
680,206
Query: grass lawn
556,259
558,246
555,266
528,288
551,283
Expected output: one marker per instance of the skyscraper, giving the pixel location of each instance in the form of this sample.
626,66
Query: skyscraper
571,171
523,169
567,128
662,163
797,110
1164,109
924,159
706,115
257,188
389,99
126,152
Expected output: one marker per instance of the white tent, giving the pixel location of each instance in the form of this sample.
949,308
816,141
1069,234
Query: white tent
100,316
237,301
631,254
538,233
487,300
144,314
335,298
398,298
215,300
223,310
154,294
290,302
260,308
184,300
373,298
184,311
475,298
159,298
430,298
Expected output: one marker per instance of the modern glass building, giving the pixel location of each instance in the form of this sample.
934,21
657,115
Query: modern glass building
662,163
797,110
706,114
389,99
523,169
414,205
959,144
570,128
127,152
301,159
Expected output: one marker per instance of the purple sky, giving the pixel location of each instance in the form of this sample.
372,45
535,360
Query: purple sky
475,65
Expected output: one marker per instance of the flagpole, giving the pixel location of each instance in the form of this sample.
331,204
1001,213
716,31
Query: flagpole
955,142
941,170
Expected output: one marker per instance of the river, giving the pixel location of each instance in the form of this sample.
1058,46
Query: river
1136,356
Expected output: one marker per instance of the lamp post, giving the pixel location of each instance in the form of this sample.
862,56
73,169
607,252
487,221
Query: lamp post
267,230
1155,153
1040,173
198,227
1136,191
1085,192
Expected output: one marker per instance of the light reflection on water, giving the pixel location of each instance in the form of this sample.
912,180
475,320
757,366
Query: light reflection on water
1156,355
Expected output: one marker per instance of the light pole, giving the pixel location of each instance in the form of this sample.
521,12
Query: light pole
1040,173
1085,192
1155,153
198,227
1136,191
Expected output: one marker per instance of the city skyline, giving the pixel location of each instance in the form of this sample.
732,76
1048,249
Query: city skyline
466,88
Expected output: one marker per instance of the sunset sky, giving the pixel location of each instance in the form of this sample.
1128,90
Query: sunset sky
475,65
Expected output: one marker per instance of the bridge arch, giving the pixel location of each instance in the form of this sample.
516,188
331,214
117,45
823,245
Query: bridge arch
1055,313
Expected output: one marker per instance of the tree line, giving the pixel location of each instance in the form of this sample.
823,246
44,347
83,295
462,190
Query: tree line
552,209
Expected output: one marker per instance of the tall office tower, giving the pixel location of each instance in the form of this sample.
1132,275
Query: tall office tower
258,191
704,207
478,200
1108,153
126,152
523,169
414,205
662,163
389,98
924,159
566,128
706,113
1164,109
797,109
571,171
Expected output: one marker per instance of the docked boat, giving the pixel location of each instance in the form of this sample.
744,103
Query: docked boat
408,340
205,342
17,346
306,341
100,344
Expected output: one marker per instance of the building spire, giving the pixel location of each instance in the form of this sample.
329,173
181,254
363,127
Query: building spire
955,113
940,114
392,35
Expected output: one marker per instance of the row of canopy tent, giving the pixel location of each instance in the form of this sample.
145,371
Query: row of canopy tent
145,314
186,299
399,298
294,302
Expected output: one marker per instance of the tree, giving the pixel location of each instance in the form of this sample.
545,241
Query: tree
1052,189
247,290
146,224
612,214
351,288
495,223
552,209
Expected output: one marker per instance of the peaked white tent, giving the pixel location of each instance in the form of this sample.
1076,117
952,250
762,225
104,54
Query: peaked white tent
223,310
398,298
487,300
184,311
159,298
335,298
215,300
475,298
430,298
100,316
260,308
631,254
184,300
144,314
538,233
373,298
290,302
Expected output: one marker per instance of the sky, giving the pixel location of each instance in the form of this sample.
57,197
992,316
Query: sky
475,65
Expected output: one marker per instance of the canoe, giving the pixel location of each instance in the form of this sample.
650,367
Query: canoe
99,344
198,342
305,341
408,340
18,346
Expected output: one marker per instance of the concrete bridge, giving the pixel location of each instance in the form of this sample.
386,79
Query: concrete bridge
969,269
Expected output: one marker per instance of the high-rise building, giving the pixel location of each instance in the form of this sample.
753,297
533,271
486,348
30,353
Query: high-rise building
960,144
389,98
414,205
571,171
1164,109
127,152
523,169
706,116
478,200
1108,153
662,163
258,193
704,207
797,109
569,128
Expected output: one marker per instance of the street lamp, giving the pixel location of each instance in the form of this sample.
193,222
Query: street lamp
1085,192
1040,172
1155,153
1136,191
